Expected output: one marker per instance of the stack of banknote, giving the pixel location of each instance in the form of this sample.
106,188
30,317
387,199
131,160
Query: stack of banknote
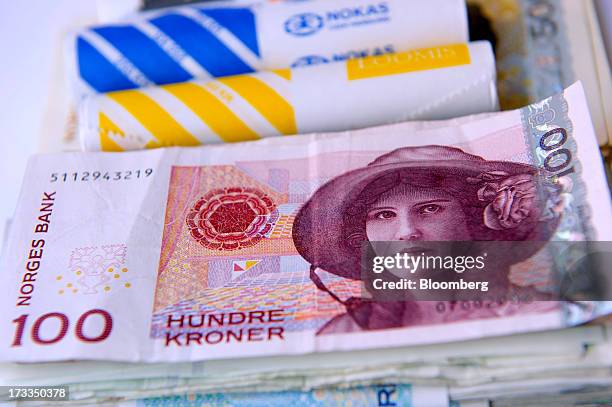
208,246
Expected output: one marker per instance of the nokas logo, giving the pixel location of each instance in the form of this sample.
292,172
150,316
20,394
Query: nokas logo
360,53
309,23
309,60
304,24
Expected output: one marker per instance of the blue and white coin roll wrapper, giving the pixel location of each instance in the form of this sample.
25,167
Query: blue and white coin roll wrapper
199,41
430,83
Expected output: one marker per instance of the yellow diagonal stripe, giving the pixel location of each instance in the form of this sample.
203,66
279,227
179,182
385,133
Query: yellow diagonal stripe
213,112
283,73
106,125
265,100
154,118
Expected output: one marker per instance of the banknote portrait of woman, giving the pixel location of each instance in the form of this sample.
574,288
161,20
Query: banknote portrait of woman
412,194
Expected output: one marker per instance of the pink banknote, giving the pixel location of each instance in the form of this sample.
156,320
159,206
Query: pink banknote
256,248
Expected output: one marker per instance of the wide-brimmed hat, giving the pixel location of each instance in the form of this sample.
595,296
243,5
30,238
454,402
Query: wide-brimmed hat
507,195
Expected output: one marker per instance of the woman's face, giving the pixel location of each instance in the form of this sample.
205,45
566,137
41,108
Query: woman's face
415,213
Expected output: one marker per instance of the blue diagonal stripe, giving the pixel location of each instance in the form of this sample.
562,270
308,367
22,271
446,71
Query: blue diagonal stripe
98,71
240,21
202,45
144,54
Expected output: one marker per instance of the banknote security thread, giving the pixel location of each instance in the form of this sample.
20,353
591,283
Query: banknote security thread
431,83
182,43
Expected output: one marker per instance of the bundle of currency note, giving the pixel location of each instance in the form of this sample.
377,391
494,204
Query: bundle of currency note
200,41
430,83
521,366
238,250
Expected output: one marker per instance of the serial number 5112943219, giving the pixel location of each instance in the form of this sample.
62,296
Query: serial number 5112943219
89,176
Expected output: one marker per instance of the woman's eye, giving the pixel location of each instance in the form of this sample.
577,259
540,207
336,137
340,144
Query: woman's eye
430,209
384,215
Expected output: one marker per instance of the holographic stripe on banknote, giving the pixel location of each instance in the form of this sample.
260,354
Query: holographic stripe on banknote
553,147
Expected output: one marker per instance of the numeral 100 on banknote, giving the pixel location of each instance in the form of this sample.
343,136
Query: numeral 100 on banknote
551,141
64,325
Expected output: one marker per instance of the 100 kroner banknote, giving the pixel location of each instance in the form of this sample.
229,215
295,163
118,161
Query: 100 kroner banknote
251,249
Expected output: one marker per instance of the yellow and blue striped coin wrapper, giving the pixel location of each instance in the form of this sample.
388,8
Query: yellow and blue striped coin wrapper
181,43
425,84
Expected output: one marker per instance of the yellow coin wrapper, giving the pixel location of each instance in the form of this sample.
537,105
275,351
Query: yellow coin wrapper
424,84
